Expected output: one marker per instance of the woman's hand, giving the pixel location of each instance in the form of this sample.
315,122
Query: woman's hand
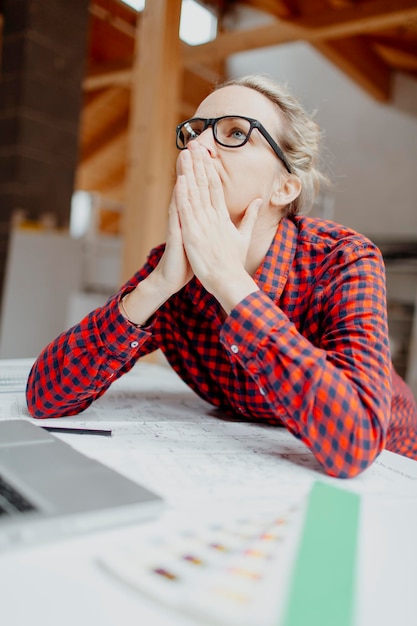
174,269
216,249
171,274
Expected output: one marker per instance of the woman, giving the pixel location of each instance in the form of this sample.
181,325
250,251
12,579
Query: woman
269,315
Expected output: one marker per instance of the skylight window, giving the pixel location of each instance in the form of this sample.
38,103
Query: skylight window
138,5
198,24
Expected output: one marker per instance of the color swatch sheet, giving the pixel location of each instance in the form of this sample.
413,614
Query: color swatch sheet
229,571
291,568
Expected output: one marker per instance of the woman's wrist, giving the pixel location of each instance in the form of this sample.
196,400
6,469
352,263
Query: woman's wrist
138,305
231,290
125,312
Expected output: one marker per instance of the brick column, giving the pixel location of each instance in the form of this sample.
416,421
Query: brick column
42,67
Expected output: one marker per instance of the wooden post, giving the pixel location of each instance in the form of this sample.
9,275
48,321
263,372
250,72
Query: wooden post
154,114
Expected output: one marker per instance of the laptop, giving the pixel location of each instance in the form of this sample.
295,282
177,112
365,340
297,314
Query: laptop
48,489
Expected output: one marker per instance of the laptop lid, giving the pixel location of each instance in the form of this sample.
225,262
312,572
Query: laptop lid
49,489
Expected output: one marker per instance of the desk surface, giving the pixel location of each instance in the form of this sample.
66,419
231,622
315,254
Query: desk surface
209,470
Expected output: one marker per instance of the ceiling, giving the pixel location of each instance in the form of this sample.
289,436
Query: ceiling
369,40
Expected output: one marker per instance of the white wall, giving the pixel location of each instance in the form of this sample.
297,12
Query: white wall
52,281
371,148
44,268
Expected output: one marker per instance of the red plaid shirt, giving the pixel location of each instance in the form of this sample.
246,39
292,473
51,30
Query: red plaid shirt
309,350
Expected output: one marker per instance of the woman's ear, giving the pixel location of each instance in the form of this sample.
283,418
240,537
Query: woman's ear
287,191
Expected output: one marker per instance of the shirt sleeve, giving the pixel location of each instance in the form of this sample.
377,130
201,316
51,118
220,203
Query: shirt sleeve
329,379
79,366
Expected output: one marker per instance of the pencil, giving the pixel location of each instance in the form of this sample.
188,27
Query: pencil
77,431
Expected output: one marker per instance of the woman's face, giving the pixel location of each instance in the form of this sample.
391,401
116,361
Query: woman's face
252,170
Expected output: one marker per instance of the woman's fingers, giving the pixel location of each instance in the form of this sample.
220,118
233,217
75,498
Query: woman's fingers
174,265
249,219
197,181
215,186
205,190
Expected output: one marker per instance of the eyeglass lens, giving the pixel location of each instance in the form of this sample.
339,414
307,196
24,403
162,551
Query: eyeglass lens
228,131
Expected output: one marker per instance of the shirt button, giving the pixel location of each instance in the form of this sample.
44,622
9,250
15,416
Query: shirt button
134,344
262,391
234,348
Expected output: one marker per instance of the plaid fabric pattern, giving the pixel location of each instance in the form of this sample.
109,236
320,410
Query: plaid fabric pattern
308,351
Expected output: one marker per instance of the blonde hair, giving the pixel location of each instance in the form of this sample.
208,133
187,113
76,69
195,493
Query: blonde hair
300,140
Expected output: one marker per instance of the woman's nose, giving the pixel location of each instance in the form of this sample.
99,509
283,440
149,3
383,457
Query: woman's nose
206,139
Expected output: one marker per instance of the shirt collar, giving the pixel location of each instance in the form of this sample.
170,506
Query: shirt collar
271,276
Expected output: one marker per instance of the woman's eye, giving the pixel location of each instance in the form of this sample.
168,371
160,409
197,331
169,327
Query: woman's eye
238,134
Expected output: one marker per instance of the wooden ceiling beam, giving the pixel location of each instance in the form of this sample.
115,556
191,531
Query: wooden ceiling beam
114,127
329,25
100,101
197,83
325,31
96,172
108,75
112,188
358,61
401,58
342,3
118,16
99,108
393,42
279,8
359,19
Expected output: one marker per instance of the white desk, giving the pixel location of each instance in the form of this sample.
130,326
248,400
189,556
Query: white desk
206,468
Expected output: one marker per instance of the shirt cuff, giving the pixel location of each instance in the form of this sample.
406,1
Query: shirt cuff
118,335
250,322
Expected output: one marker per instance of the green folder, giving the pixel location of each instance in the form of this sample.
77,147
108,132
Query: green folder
323,585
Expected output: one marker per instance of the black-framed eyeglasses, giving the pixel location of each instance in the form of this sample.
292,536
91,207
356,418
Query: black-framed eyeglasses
231,131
